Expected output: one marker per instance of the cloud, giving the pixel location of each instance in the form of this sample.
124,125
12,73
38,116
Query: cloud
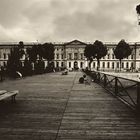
108,21
64,20
11,12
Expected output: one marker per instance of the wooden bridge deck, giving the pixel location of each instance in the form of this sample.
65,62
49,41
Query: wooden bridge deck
56,107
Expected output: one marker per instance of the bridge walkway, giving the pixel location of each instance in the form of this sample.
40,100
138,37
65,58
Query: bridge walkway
57,107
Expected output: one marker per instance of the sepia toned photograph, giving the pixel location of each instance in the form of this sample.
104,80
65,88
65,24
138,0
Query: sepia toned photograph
69,70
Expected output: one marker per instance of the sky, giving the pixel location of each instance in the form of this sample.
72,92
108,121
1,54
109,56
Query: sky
67,20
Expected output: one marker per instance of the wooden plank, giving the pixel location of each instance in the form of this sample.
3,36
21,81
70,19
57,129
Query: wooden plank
56,107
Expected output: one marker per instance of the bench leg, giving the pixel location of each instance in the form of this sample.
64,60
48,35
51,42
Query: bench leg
13,98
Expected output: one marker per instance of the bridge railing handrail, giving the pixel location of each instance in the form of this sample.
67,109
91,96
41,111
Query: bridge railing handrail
116,85
116,76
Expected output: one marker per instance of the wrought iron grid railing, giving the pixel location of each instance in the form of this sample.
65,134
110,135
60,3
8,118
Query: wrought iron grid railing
126,90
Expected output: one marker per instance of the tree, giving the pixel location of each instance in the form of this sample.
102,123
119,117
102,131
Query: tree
39,66
40,51
122,51
21,45
14,61
35,55
100,51
32,53
48,52
27,69
138,9
89,53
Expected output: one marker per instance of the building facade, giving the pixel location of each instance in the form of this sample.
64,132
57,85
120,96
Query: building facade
71,55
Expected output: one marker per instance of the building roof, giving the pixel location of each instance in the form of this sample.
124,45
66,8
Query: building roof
73,42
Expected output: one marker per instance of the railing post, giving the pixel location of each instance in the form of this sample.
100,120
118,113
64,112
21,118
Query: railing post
98,77
105,80
1,78
116,86
138,96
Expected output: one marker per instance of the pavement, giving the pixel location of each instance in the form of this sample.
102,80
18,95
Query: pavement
56,107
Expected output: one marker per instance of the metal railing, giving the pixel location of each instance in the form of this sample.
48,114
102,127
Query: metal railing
125,89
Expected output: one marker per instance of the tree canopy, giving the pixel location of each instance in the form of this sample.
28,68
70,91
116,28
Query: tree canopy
21,45
100,51
138,9
48,51
122,51
89,52
32,53
96,50
14,63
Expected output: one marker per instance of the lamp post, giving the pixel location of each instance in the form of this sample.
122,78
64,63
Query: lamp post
135,58
138,13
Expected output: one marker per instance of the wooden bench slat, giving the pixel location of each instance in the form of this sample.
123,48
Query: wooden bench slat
8,94
2,92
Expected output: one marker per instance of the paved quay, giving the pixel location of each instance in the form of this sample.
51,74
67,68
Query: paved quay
56,107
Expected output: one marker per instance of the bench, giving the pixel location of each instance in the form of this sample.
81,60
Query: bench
7,94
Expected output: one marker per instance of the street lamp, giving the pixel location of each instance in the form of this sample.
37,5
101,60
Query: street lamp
138,13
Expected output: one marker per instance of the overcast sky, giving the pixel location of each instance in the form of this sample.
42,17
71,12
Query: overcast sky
65,20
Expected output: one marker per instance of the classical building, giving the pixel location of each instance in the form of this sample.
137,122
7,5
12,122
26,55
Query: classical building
71,55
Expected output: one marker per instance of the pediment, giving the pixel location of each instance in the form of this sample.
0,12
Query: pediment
75,42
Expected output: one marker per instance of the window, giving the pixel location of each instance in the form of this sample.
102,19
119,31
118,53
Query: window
69,64
122,65
108,65
127,65
82,56
108,56
93,64
4,55
57,56
4,64
76,56
132,56
81,64
103,64
112,65
89,65
62,64
57,64
113,56
117,64
62,56
132,65
70,56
